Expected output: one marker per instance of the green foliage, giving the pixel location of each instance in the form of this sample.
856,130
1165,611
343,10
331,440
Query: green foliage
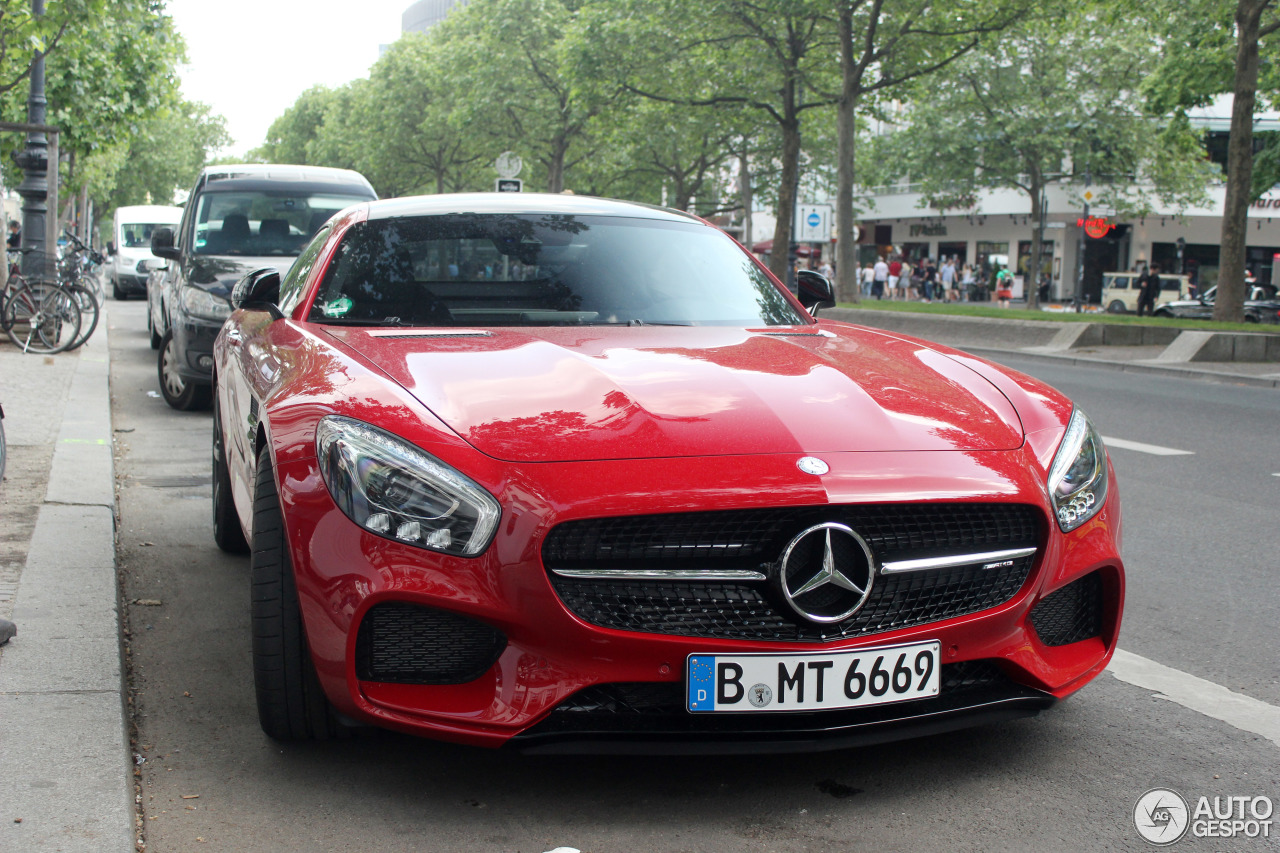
164,155
1050,102
291,133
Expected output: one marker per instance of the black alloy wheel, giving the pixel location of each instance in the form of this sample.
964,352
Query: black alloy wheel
178,392
226,522
291,703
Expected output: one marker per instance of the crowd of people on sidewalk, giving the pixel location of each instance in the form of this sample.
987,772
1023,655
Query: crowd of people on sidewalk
891,277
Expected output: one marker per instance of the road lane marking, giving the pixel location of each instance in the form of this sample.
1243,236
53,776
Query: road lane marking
1205,697
1153,449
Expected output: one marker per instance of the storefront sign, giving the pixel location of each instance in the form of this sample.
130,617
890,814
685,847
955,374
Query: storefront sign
931,230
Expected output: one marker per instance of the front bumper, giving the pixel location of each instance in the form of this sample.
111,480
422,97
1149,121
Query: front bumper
193,339
561,683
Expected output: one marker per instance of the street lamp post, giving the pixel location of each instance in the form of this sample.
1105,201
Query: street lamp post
34,161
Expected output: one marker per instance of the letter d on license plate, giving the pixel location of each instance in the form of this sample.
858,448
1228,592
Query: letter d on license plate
813,682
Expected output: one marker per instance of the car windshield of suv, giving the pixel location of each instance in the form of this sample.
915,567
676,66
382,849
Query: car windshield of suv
136,235
262,223
541,270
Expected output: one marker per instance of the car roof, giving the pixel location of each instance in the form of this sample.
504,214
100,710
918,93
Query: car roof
249,176
520,203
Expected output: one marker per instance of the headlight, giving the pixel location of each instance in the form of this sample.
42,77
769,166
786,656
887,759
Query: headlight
1078,476
393,489
202,304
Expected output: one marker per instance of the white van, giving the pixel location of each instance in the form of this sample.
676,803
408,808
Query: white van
129,248
1120,290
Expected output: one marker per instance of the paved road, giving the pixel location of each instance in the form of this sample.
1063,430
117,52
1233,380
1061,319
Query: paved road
1200,530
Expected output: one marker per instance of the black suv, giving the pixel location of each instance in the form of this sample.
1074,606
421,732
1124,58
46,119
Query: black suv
237,219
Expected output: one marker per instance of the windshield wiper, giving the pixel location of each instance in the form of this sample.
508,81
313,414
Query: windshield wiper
353,321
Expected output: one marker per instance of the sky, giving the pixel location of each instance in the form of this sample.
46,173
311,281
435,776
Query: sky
250,59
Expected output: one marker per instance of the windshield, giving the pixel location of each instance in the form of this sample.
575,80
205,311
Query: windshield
137,235
263,223
540,270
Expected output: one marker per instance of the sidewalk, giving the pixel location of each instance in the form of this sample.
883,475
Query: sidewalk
65,772
66,780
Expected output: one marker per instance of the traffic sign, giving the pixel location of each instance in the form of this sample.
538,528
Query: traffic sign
813,223
508,185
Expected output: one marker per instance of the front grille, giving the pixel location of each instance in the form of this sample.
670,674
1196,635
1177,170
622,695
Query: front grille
755,539
1070,614
405,643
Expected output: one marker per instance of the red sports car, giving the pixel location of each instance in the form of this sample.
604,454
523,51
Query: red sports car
563,473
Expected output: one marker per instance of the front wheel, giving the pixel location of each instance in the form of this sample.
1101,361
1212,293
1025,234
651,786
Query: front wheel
179,393
291,703
41,318
226,522
1116,307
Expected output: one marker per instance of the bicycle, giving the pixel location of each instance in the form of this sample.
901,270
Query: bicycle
39,317
77,276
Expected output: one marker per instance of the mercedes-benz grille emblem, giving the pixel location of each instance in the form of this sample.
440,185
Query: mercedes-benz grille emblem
826,573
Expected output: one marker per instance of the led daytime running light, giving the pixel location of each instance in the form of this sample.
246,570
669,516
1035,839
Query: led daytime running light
1078,476
393,489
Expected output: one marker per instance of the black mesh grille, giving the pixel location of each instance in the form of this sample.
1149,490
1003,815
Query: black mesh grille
755,539
1071,614
408,644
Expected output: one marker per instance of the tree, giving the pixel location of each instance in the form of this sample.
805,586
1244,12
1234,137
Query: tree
294,130
769,58
882,45
164,155
1050,103
1219,51
22,34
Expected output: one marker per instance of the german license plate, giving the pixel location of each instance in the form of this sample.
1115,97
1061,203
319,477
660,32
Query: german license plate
812,682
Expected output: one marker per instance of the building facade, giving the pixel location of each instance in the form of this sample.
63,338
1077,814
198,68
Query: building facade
424,14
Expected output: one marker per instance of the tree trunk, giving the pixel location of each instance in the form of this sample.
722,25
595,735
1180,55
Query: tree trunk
847,285
1032,285
1229,305
555,168
786,198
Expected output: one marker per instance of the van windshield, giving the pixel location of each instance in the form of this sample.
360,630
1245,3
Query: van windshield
263,223
137,235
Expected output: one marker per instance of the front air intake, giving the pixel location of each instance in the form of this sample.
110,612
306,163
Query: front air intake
1070,614
404,643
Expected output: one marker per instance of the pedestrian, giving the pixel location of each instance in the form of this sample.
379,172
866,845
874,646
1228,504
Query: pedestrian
1004,287
967,282
868,279
825,270
895,276
880,278
15,235
1148,290
930,280
947,275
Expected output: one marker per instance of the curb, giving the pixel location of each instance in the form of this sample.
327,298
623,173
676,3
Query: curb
1130,367
64,756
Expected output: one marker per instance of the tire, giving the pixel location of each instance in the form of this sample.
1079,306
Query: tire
1249,318
177,392
1168,315
88,304
291,704
116,293
151,330
41,319
227,532
1116,307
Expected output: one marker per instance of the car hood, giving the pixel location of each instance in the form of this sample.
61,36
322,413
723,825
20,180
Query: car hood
564,394
219,273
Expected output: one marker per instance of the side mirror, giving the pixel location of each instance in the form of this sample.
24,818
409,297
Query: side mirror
162,244
814,291
258,291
